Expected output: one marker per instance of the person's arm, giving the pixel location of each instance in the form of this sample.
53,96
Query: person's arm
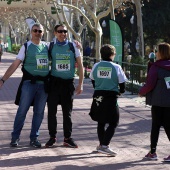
10,71
122,87
91,75
78,44
79,88
151,81
93,83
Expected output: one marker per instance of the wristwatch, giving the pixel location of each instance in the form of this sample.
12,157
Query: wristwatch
2,80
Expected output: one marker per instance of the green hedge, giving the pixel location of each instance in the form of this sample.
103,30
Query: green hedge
16,48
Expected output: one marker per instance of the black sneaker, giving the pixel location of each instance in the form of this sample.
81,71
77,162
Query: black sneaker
14,142
35,143
70,143
50,143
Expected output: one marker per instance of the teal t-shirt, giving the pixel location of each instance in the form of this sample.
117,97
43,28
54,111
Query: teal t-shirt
152,55
105,77
36,60
63,62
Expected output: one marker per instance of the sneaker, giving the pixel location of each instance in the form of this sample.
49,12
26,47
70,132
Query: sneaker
70,143
50,143
151,156
35,143
14,142
167,159
106,150
97,148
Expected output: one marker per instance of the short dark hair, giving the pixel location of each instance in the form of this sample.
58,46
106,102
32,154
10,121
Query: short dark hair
59,25
106,51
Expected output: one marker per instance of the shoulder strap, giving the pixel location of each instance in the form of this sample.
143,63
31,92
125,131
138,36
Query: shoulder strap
72,48
25,45
50,49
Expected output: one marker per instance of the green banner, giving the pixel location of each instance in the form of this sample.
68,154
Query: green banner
116,40
9,43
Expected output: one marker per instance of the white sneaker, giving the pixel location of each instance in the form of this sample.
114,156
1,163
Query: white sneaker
106,150
97,148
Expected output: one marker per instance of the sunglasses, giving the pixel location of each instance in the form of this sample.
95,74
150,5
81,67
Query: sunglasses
62,31
39,31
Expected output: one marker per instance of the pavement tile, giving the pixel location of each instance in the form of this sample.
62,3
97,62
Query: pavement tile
131,139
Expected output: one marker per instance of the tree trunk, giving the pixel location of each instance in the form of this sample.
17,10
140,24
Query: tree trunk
98,44
112,10
140,27
134,33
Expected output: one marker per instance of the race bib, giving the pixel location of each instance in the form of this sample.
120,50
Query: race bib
104,72
63,65
42,61
167,81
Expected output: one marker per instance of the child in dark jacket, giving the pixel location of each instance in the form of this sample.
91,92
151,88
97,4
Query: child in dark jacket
108,79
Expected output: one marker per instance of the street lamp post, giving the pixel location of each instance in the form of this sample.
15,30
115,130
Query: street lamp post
0,26
0,31
134,33
84,29
21,37
83,11
104,26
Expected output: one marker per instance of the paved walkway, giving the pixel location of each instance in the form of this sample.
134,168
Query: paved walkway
131,139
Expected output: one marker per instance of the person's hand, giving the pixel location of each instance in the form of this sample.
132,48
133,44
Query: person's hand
120,94
140,95
79,89
78,44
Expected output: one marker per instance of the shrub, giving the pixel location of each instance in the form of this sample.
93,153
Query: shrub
16,48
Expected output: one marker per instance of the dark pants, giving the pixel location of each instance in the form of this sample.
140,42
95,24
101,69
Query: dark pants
61,92
105,135
160,117
106,131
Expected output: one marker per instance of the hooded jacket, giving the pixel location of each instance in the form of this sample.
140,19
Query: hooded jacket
156,90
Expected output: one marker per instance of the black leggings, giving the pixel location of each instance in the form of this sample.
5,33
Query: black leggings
160,117
105,134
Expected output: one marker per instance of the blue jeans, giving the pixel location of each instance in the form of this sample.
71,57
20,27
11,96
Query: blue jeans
30,93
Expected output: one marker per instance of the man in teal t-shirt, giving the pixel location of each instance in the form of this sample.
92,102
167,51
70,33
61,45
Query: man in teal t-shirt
152,55
32,87
152,58
64,55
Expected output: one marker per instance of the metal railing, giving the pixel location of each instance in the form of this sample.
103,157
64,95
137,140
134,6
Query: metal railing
136,73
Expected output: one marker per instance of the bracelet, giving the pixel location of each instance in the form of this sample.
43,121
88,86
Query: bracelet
3,80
